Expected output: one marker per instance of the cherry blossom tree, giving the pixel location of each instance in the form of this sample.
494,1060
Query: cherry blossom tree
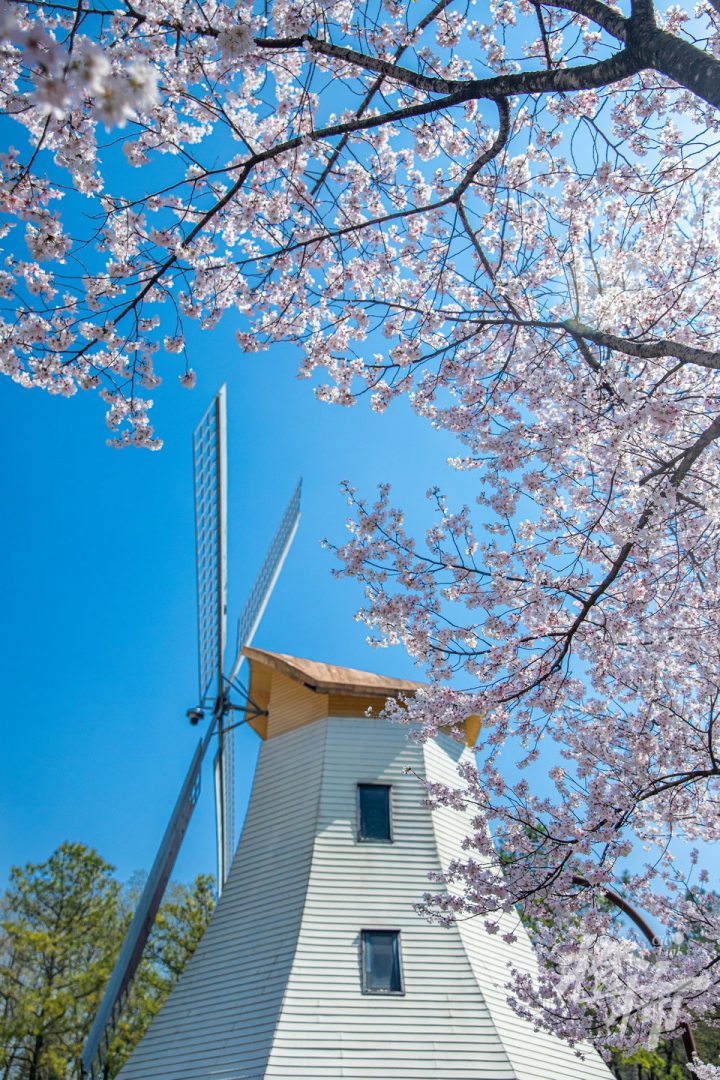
510,216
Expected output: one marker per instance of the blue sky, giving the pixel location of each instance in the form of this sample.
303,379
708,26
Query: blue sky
98,635
99,625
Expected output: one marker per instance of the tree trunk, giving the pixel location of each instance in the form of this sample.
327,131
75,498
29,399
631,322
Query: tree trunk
34,1071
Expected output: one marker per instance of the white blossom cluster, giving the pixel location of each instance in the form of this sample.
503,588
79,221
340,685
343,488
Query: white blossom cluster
64,80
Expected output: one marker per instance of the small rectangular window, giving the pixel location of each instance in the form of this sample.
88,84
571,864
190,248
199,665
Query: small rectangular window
381,973
374,812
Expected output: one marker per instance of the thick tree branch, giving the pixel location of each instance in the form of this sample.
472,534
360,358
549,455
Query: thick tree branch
709,435
603,16
685,64
647,48
582,77
644,350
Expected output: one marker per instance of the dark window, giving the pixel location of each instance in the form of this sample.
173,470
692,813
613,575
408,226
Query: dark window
381,962
374,812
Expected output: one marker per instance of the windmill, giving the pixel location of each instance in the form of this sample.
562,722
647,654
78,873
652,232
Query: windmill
315,963
218,686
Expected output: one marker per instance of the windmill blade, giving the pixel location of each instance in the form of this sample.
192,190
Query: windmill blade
265,581
101,1032
210,475
247,625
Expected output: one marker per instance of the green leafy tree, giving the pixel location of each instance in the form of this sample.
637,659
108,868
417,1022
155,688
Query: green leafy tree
668,1061
61,925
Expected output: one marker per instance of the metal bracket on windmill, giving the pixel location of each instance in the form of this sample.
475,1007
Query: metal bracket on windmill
210,457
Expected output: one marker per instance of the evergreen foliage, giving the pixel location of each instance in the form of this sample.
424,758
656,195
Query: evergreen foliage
61,926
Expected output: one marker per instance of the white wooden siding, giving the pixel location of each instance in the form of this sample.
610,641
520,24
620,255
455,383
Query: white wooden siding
220,1019
274,990
440,1027
535,1055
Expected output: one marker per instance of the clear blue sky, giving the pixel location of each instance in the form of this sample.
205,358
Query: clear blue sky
99,623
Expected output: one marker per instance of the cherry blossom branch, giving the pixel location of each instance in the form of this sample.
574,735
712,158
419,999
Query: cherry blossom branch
374,89
254,160
582,77
618,901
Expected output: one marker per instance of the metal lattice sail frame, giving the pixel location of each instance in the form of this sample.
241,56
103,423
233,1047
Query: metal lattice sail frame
210,478
210,475
115,996
265,581
247,625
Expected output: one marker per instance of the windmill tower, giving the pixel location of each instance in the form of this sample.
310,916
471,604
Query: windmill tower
315,964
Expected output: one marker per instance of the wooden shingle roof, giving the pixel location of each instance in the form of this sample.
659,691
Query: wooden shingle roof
331,679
